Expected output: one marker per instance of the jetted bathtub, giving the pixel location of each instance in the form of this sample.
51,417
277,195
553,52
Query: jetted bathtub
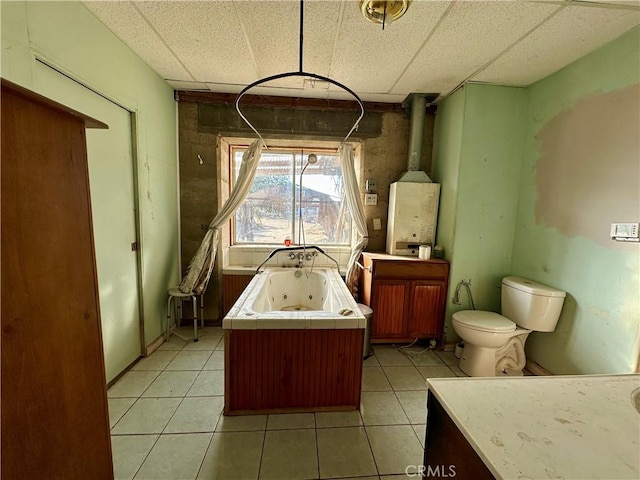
293,342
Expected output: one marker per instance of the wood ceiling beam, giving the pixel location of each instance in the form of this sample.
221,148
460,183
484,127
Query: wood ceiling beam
284,102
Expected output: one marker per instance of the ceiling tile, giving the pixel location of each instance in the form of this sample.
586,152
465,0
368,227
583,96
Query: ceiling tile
368,58
472,34
206,36
127,24
569,35
271,27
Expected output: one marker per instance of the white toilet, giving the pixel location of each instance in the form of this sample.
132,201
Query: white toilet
494,344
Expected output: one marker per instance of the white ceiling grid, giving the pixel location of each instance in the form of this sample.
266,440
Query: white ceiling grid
224,45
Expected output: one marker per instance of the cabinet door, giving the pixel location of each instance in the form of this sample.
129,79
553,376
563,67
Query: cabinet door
427,308
389,307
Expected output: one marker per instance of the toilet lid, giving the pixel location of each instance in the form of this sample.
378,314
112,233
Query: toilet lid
484,321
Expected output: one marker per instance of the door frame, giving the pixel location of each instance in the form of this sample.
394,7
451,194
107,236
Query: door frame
133,115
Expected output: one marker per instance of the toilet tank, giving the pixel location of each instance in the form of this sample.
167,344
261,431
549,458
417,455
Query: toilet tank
531,305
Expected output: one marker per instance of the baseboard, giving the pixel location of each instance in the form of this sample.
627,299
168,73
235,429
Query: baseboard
153,346
536,369
448,347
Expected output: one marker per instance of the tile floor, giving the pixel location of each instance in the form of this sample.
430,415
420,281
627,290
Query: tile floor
166,421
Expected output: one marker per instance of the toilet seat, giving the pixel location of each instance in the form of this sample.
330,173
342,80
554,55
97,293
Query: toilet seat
484,321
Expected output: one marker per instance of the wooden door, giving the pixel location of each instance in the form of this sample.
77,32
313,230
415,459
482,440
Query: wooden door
426,309
55,421
389,307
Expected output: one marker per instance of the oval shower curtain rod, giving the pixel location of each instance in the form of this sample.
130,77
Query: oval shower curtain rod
299,73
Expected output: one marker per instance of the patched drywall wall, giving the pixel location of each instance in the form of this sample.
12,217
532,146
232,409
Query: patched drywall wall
574,137
480,132
584,174
72,39
580,173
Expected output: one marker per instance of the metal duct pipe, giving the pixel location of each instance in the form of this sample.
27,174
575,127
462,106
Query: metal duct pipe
416,134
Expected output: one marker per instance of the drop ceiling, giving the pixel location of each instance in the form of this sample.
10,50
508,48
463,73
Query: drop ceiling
222,46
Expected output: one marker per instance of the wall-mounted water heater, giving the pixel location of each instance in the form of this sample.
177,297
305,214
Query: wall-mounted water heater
413,214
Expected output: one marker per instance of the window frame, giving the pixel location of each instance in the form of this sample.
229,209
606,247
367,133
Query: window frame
293,147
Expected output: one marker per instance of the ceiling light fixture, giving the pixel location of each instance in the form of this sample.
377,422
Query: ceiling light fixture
307,77
384,12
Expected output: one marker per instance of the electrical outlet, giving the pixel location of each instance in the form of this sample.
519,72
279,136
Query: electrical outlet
370,185
377,224
371,199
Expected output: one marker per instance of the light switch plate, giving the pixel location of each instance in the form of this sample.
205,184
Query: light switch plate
625,232
371,199
377,224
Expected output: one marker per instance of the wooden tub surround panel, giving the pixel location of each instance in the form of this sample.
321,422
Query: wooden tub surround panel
292,370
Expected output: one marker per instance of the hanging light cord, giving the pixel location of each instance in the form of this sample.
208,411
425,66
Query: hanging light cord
299,73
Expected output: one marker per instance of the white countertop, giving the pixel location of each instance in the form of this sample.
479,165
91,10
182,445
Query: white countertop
569,427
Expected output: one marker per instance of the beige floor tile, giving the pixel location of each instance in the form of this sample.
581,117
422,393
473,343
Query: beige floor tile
189,360
171,384
174,343
233,456
175,457
414,404
215,362
209,383
148,415
427,358
196,414
117,408
129,451
158,360
338,419
436,372
421,432
206,341
382,408
405,378
374,380
395,448
391,357
132,384
361,478
448,358
241,423
289,454
220,346
344,452
288,421
372,361
458,371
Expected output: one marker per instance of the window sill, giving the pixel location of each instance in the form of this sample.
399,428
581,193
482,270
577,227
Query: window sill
246,258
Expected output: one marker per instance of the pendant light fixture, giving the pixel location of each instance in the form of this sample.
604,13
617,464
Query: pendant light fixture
299,73
384,12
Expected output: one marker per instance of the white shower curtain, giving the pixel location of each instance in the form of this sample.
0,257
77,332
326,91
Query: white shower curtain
354,202
196,278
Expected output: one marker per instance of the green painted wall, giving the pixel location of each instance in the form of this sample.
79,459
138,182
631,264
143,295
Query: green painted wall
531,181
478,162
581,172
68,36
446,165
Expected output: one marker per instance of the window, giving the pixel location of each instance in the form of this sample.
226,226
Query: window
270,213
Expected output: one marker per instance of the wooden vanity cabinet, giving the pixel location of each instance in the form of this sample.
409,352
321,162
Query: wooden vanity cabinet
407,295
